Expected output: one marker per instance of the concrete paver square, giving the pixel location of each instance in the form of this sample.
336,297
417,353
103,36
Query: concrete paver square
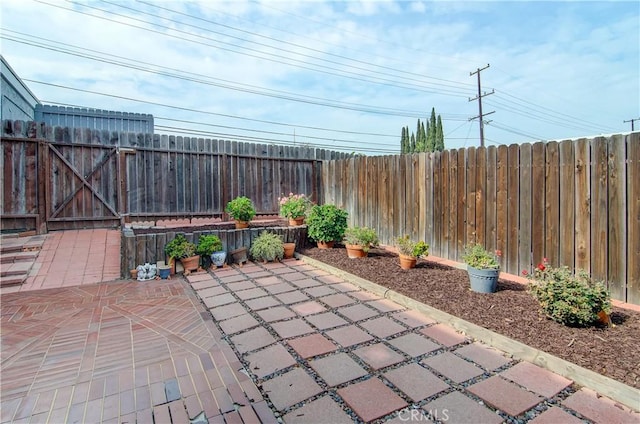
536,379
267,281
276,314
345,287
337,300
413,319
279,288
290,298
415,381
364,296
232,278
385,305
251,293
262,303
331,279
371,399
599,409
505,395
323,408
453,367
308,308
382,327
219,300
337,369
241,285
357,312
414,344
290,388
252,340
443,334
305,283
239,323
313,345
458,408
555,415
326,320
227,311
320,291
349,336
378,356
211,291
269,360
483,355
293,276
292,328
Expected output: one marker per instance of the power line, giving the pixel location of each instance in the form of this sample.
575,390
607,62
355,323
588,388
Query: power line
632,121
479,97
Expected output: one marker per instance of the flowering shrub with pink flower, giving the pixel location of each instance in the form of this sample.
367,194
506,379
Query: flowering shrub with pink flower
476,256
294,205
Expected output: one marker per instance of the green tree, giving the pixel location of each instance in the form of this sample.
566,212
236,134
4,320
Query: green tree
412,149
431,135
403,142
439,135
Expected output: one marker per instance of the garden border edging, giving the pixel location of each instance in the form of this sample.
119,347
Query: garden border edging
606,386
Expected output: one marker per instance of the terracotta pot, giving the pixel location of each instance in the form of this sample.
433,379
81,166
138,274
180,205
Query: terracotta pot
289,249
296,221
325,244
191,263
407,262
134,274
242,224
355,251
172,263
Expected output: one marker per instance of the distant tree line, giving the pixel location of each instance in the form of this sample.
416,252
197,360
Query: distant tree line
425,139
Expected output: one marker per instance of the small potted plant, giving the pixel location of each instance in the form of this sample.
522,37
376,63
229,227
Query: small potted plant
289,250
267,247
358,241
409,251
326,224
483,268
241,209
294,207
182,249
210,250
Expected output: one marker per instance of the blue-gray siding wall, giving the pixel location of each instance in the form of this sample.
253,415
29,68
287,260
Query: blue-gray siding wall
14,106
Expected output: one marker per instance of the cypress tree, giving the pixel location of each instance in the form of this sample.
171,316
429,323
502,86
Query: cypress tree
412,149
403,143
439,135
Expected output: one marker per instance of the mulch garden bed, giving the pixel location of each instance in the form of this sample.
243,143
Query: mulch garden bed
511,311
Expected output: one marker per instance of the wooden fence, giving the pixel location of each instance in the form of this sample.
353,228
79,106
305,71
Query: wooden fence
576,203
59,178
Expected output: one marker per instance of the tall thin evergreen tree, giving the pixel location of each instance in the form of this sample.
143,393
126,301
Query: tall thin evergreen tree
439,135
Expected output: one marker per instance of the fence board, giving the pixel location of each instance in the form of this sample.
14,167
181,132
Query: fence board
437,204
524,227
567,198
513,210
502,195
599,185
428,214
481,182
617,228
453,206
633,218
471,195
461,198
537,231
582,217
443,214
490,200
552,204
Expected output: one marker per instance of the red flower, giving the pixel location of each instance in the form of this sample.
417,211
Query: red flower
541,267
525,272
498,252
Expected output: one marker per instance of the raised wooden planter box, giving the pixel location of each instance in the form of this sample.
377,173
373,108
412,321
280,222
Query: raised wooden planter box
142,248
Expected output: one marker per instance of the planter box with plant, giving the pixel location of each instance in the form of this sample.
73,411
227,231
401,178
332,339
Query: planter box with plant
409,251
267,247
294,207
241,209
182,249
326,224
483,268
208,245
572,300
358,241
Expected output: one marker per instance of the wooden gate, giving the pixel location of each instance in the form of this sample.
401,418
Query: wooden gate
82,186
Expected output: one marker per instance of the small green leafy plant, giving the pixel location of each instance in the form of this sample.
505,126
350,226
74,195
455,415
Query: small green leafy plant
476,256
326,223
572,300
267,247
408,247
294,205
241,209
207,244
180,248
361,236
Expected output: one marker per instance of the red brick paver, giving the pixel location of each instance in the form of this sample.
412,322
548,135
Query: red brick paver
504,395
371,399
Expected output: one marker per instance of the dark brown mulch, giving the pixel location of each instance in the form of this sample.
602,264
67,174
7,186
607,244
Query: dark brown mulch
511,311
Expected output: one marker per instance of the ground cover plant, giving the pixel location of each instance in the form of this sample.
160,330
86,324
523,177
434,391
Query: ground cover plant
511,311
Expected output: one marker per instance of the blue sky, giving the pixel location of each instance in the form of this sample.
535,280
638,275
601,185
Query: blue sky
345,75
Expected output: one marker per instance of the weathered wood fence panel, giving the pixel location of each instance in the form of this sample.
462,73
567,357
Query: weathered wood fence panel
577,203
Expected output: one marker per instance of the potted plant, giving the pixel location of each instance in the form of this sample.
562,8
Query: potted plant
173,251
294,207
571,299
267,247
409,251
483,268
289,250
242,210
210,250
358,241
182,249
326,224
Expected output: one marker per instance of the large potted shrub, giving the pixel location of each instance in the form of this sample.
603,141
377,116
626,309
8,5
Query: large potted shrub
483,268
326,224
182,249
409,251
358,241
267,247
572,300
241,209
210,250
294,207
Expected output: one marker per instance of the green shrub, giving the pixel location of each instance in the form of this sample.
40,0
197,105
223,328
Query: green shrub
326,223
180,248
241,209
408,247
267,247
362,236
207,244
476,256
572,300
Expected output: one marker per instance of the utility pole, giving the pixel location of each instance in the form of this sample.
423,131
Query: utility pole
632,121
479,99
